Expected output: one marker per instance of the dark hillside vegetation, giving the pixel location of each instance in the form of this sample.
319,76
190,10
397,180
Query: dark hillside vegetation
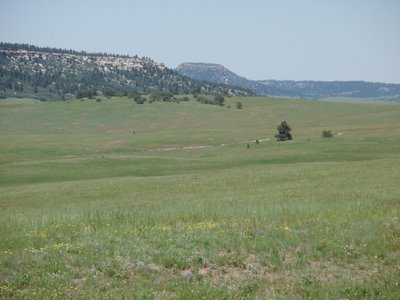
57,74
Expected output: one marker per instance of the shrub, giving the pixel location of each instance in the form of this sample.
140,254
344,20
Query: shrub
219,100
239,105
165,96
139,100
108,91
327,134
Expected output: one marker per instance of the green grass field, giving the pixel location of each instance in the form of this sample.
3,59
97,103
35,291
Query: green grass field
103,200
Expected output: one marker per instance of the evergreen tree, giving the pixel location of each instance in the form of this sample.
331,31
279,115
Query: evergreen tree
283,132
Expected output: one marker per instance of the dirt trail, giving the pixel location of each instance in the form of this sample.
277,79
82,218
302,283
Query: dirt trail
207,146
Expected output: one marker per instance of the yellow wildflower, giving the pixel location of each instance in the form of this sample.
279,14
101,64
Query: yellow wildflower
165,228
58,246
201,226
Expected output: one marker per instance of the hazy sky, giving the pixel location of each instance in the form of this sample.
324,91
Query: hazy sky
258,39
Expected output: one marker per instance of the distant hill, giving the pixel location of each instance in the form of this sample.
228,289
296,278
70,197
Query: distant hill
49,73
212,72
303,89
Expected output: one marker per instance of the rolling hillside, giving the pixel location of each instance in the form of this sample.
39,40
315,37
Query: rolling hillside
166,201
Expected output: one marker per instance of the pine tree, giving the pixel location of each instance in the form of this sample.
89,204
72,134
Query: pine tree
283,132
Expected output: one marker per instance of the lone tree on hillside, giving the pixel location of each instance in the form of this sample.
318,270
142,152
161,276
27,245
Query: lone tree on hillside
283,132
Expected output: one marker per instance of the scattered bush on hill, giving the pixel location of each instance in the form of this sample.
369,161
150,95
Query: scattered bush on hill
165,96
216,100
108,91
327,134
86,93
138,99
219,100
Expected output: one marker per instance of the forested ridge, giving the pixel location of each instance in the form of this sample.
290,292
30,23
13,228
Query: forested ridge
52,74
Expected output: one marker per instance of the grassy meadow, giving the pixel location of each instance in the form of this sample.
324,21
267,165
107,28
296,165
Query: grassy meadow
103,200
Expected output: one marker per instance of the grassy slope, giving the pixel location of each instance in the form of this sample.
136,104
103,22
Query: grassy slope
88,208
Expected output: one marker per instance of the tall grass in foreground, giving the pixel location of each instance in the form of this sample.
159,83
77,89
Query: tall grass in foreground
276,231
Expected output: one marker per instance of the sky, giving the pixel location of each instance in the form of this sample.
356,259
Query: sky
258,39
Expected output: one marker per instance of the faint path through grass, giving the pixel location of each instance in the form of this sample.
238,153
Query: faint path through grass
207,146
